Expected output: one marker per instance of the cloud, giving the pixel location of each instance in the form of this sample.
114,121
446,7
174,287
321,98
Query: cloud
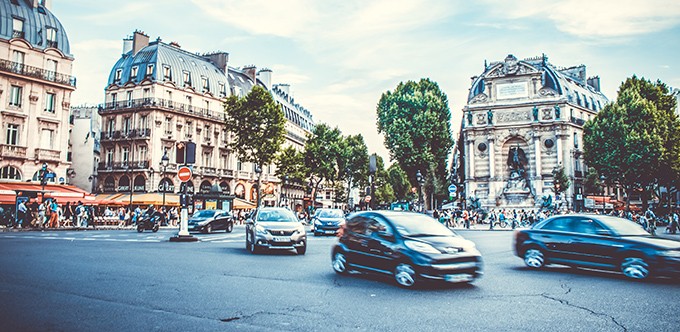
118,13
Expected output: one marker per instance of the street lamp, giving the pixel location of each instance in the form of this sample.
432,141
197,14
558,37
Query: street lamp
258,171
43,181
602,179
421,180
164,163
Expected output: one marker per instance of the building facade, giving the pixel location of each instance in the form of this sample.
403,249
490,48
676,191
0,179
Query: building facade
522,122
35,92
86,145
159,96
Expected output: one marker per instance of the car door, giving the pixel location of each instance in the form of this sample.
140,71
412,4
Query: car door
220,220
356,241
592,243
554,235
380,253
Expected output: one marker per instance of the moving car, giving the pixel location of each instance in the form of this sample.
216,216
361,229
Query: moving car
275,228
411,247
598,242
327,221
207,221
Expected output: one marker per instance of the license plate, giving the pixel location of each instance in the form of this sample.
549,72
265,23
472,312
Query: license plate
330,232
458,277
281,239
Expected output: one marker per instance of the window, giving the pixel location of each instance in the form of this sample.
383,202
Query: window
145,94
562,224
127,122
15,96
207,105
10,173
142,152
328,194
206,132
149,70
169,96
51,69
143,122
109,157
587,226
207,159
51,34
223,90
12,132
189,100
111,127
133,73
126,154
188,130
204,83
114,99
18,57
239,165
129,99
224,161
49,102
166,73
357,225
18,27
47,139
377,226
575,141
186,76
119,74
168,125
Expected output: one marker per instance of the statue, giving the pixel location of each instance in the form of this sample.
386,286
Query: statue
535,111
489,115
557,111
516,160
469,116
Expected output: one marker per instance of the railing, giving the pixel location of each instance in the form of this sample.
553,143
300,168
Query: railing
12,151
209,170
578,122
164,104
123,165
228,172
45,154
296,137
22,69
52,43
134,133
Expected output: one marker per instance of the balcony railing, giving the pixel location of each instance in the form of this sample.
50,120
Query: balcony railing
45,154
209,170
228,172
163,104
123,135
25,70
578,122
123,165
17,34
52,43
12,151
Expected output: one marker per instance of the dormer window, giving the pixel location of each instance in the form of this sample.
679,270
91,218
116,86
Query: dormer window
166,73
187,78
133,73
51,37
149,70
119,74
18,27
223,90
204,84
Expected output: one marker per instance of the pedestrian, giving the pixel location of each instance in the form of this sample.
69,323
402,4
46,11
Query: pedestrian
68,214
466,219
21,213
79,212
54,214
501,218
492,219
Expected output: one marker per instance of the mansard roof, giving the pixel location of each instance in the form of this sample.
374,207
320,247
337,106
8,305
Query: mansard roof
36,21
570,83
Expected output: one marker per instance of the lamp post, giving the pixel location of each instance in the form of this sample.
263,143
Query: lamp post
43,181
164,163
602,179
258,171
349,186
421,180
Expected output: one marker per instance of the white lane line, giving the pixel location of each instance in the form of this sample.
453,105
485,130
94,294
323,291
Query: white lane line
80,239
223,237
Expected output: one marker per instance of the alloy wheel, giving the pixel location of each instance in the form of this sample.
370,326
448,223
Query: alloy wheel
635,268
405,275
340,263
534,258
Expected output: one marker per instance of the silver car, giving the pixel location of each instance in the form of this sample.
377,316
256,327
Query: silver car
275,228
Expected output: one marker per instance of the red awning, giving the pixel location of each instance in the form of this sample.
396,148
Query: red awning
62,193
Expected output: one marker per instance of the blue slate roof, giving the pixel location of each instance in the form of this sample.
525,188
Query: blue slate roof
36,22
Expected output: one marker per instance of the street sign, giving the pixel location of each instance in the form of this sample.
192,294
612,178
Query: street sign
50,175
184,174
453,188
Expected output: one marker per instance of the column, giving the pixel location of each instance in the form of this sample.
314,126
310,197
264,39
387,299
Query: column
492,158
471,158
538,183
558,144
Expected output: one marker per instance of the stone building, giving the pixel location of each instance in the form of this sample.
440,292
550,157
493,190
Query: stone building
35,92
86,145
523,120
158,96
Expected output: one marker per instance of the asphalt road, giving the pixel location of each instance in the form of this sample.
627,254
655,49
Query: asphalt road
119,280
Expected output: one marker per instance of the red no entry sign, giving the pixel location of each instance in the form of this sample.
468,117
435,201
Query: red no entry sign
184,174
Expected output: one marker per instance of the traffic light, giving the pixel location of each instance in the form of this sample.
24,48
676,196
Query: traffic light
43,175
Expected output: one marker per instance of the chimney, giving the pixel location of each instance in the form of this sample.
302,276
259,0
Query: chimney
47,4
220,59
594,82
139,41
175,44
250,71
127,45
265,75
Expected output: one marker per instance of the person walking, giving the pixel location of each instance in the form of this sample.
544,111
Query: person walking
68,214
54,214
492,219
79,212
22,211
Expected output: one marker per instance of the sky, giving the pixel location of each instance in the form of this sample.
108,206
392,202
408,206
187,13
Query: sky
340,56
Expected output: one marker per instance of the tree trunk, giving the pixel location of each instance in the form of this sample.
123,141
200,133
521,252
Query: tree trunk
259,189
628,193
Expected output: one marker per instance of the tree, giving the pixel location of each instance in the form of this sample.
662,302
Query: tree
633,142
560,181
322,151
290,166
353,162
258,126
398,179
384,193
415,120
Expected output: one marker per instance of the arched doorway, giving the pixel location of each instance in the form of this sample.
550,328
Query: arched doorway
139,184
166,185
109,184
189,185
225,187
36,177
205,186
10,173
240,191
123,183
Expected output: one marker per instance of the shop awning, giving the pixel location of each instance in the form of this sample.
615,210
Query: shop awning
62,193
242,204
139,199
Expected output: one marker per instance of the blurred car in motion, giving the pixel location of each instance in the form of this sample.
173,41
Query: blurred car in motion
327,221
411,247
211,220
598,242
275,228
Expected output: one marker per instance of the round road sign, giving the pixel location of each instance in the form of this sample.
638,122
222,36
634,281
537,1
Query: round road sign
184,174
453,188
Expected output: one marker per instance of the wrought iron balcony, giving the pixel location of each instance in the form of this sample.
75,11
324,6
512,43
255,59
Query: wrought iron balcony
123,165
164,104
209,170
578,122
39,73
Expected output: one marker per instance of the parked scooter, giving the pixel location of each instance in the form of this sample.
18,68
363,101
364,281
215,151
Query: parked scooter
149,221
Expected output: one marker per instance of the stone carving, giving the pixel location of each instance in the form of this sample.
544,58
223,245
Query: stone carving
547,114
511,65
469,118
518,187
557,111
480,98
534,111
481,119
513,116
489,115
547,92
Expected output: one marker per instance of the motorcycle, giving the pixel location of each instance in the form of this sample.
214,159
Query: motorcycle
149,222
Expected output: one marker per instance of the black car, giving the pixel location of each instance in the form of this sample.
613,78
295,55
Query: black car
211,220
598,242
411,247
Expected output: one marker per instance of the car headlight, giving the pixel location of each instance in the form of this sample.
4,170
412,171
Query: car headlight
260,229
670,253
300,230
469,246
421,247
317,222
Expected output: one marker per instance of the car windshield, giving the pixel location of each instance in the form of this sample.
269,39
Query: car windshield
281,215
623,227
203,214
415,224
330,214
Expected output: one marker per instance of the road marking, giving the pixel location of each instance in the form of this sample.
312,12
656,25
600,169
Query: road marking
223,237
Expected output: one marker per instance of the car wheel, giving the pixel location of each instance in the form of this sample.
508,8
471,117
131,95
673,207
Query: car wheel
247,242
140,229
635,268
230,227
405,275
301,250
253,246
340,263
534,258
155,228
208,228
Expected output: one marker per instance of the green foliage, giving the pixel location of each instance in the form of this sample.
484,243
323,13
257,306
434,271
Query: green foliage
398,179
290,163
353,160
258,126
561,182
415,119
322,152
384,193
